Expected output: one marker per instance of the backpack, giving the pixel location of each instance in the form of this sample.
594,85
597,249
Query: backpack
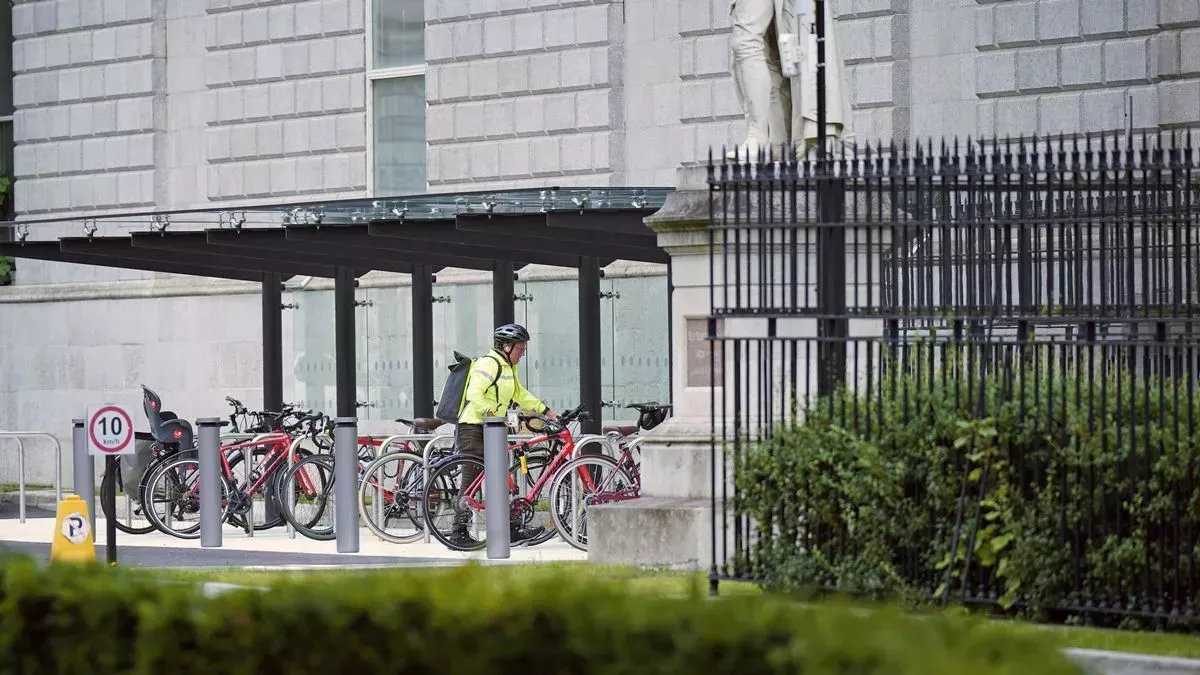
454,392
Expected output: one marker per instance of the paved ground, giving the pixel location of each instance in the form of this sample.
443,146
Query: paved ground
270,548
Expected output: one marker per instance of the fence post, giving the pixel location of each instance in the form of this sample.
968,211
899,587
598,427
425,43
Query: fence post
83,466
495,488
345,483
831,291
209,455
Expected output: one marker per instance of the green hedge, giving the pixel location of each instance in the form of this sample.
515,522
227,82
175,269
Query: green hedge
95,620
1080,484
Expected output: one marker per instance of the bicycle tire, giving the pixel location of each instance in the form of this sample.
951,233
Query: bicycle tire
189,533
107,487
289,516
564,472
421,521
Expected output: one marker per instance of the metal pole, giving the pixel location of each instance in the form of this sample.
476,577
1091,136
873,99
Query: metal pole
591,379
84,468
820,20
495,488
422,341
209,451
502,293
345,483
272,354
110,467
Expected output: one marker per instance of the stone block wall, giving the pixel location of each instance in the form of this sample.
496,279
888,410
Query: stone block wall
167,104
286,86
524,93
1075,66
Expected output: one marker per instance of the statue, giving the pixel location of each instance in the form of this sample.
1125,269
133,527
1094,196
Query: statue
774,64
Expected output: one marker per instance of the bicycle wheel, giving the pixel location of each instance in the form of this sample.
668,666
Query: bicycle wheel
580,483
305,496
390,497
112,487
456,516
176,484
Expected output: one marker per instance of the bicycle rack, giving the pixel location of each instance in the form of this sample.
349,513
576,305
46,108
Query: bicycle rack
18,436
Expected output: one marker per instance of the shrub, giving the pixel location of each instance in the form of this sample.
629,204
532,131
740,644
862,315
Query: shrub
1068,477
97,620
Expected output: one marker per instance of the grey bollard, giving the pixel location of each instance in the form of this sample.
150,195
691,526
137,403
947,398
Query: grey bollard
495,489
83,466
208,448
345,483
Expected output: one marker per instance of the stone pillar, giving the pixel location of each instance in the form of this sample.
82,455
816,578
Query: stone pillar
671,523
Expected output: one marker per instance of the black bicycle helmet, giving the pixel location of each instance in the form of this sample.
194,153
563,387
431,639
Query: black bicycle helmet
510,333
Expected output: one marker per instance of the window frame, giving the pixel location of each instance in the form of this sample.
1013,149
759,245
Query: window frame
374,75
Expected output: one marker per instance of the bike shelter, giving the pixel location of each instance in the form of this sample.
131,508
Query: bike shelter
502,231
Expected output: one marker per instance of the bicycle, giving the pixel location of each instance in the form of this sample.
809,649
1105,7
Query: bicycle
605,480
379,505
181,474
522,505
161,450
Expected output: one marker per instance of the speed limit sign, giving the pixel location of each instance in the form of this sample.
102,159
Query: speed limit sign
109,431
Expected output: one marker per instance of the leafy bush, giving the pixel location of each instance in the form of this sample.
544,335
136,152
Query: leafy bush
99,621
1069,478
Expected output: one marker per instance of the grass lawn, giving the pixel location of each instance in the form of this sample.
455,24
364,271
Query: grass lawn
686,584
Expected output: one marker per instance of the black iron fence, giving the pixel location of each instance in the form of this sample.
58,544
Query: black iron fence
966,373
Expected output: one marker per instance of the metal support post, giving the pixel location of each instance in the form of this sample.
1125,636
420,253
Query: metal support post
83,467
272,354
208,448
591,383
422,341
344,338
495,487
502,293
345,483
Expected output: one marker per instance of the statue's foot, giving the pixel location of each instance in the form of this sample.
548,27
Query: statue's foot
743,152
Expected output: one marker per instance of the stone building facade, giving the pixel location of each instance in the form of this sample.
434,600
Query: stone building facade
140,105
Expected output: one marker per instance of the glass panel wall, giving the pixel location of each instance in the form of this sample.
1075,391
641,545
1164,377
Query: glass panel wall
389,353
313,364
550,368
633,343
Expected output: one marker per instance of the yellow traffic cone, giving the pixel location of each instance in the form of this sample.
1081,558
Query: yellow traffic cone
74,540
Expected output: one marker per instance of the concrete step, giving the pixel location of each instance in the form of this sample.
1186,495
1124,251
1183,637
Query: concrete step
663,532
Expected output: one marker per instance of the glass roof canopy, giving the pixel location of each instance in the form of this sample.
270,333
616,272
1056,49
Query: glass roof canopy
421,207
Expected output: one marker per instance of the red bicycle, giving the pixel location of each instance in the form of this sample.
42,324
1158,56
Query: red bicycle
455,515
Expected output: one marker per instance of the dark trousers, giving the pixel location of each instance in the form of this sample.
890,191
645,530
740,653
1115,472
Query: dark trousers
469,441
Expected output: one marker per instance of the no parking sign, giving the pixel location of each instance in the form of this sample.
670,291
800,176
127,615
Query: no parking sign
109,431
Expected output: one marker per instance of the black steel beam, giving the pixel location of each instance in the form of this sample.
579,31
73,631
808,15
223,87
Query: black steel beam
122,248
344,356
272,341
422,341
614,222
529,232
51,251
272,244
355,238
478,245
591,382
503,294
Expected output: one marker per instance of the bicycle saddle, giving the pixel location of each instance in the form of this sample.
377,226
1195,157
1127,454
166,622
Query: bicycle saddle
422,425
620,429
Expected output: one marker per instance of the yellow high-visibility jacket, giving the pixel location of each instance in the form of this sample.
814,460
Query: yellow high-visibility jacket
484,400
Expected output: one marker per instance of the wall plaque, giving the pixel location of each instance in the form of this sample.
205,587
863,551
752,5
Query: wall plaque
699,349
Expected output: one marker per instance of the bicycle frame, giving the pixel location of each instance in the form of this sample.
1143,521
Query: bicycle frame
559,459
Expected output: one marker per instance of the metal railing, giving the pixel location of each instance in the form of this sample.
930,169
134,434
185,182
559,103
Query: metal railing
962,372
19,436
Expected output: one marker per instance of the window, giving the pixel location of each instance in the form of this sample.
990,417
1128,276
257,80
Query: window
396,105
